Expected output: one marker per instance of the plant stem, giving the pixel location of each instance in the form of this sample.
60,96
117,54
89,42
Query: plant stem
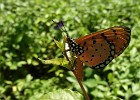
82,87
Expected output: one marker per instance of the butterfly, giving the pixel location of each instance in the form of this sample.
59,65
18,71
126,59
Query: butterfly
98,49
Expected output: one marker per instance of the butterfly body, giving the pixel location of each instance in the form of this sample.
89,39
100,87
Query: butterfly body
98,49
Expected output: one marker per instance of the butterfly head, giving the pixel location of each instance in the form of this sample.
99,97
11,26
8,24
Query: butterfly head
60,25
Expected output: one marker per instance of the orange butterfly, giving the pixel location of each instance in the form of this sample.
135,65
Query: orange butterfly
98,49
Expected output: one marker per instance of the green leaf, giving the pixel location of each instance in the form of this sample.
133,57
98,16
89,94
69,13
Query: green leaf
29,78
90,83
57,61
62,95
59,44
110,77
137,93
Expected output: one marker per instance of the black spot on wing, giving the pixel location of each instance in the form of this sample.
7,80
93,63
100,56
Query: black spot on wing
103,35
101,45
94,41
85,43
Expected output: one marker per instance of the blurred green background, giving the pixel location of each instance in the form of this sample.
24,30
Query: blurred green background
25,35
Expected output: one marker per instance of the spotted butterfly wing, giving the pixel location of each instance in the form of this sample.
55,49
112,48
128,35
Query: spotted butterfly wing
100,48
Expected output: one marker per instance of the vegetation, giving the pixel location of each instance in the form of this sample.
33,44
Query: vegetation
26,32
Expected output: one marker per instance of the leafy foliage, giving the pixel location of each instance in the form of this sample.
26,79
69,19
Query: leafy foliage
26,32
62,95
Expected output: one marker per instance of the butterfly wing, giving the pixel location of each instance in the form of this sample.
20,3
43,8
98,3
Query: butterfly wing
101,47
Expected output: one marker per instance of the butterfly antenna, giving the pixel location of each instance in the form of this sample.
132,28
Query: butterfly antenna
61,26
65,30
